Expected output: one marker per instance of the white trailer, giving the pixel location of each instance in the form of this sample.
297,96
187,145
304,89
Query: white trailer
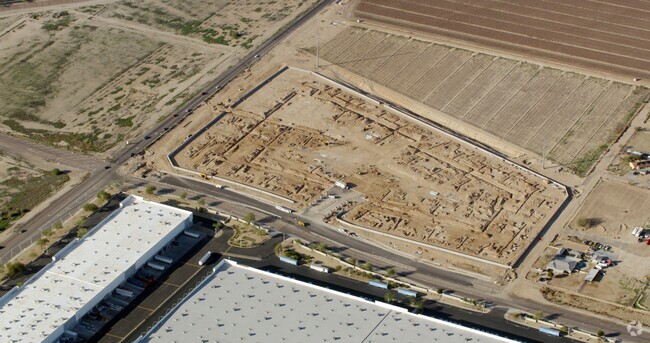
191,234
123,292
155,266
163,259
318,268
341,184
283,209
205,258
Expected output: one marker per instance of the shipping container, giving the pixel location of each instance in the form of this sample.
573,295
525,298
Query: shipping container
407,292
551,332
123,292
164,259
205,258
283,209
379,284
155,266
319,268
289,260
191,234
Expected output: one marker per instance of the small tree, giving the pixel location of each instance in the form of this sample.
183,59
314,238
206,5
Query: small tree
42,242
103,196
390,272
389,297
249,217
90,207
47,232
55,172
184,195
58,225
439,290
338,267
150,189
584,222
217,225
538,315
366,266
201,202
353,261
416,303
82,232
549,274
600,333
14,268
321,247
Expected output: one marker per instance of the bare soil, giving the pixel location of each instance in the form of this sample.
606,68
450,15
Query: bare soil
299,135
569,117
90,77
596,35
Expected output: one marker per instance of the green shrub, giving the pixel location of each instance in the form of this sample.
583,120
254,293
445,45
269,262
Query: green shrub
14,268
90,207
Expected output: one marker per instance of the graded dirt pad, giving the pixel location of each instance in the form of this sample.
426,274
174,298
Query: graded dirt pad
91,77
604,35
571,117
297,135
615,208
623,313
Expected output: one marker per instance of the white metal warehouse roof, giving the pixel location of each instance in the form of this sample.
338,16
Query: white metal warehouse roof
243,304
84,268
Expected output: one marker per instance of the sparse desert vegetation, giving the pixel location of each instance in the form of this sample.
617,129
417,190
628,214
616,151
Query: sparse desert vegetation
90,77
22,187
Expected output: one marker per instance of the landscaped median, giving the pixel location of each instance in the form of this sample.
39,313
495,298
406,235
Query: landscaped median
551,328
318,254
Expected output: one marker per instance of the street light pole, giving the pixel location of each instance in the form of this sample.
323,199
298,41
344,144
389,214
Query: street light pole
317,46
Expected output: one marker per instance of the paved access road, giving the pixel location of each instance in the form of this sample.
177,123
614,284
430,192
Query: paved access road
320,232
420,273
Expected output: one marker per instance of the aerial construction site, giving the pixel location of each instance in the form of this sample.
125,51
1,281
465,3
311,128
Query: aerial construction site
300,133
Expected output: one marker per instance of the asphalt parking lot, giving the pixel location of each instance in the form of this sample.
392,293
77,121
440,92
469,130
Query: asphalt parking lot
172,287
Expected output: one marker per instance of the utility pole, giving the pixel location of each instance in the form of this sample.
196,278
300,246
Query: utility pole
317,45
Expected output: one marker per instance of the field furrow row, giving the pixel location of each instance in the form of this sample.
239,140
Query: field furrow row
458,81
480,88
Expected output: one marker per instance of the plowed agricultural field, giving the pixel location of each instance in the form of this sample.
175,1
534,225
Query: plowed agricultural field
569,116
610,36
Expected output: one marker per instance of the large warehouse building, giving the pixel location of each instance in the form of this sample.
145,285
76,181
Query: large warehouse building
87,270
242,304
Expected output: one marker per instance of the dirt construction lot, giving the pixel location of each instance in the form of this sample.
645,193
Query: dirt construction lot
603,35
572,117
299,134
90,77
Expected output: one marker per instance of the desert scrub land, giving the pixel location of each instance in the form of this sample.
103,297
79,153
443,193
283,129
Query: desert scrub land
23,186
90,77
